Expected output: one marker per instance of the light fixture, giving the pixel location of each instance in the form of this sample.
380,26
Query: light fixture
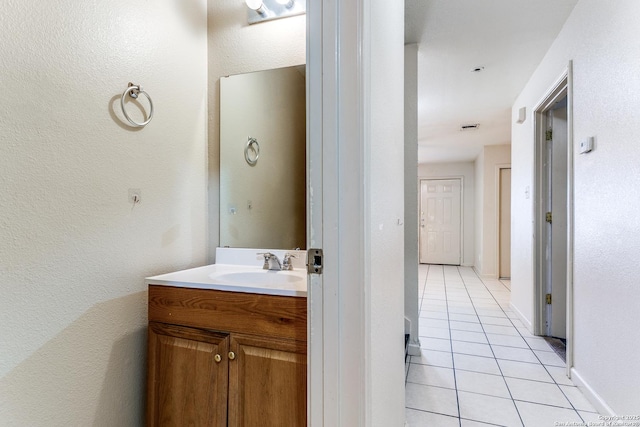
287,3
257,6
267,10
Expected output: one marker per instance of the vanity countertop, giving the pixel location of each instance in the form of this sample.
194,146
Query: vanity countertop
237,278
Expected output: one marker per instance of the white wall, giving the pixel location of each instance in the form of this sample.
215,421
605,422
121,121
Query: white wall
234,48
602,39
479,168
411,229
74,251
455,170
487,196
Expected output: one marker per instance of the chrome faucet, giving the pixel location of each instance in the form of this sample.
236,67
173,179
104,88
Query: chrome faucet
271,261
287,263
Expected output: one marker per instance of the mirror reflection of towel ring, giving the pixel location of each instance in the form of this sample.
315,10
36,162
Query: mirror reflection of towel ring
133,91
252,146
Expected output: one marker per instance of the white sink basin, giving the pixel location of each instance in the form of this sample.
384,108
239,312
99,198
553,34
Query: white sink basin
237,278
262,277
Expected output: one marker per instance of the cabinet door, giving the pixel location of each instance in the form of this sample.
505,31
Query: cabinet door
187,376
267,382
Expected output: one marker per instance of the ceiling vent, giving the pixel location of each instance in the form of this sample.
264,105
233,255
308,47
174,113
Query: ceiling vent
472,126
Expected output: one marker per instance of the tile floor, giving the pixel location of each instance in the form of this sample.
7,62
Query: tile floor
479,365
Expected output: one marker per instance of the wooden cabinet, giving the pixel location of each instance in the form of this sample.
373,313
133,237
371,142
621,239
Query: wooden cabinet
187,376
267,382
226,359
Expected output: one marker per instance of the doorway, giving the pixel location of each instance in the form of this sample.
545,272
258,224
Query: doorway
552,213
440,221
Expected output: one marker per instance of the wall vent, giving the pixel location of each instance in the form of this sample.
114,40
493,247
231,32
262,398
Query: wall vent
472,126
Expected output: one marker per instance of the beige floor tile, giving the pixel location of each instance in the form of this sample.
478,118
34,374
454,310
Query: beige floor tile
431,375
486,365
432,399
488,409
437,344
523,370
475,349
514,353
577,399
477,382
534,415
416,418
433,358
537,392
469,336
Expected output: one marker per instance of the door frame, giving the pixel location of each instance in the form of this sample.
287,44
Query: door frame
563,86
498,169
315,91
344,47
442,178
337,95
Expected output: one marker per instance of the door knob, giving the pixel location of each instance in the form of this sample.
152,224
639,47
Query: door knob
232,355
217,358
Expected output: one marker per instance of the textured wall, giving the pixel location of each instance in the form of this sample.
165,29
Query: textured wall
602,38
234,48
479,168
486,202
466,171
74,252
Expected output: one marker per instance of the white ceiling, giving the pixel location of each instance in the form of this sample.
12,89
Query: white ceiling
507,37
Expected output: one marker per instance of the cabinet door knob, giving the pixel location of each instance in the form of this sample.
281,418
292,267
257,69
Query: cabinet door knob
217,358
232,355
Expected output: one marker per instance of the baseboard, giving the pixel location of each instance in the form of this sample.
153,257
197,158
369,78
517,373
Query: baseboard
484,276
593,397
527,323
414,348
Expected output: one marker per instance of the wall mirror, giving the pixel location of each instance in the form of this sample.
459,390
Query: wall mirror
263,159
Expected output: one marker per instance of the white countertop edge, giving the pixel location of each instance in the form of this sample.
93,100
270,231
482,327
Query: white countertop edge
230,288
198,278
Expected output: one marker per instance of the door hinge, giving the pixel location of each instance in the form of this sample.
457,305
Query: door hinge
548,298
548,217
314,261
549,135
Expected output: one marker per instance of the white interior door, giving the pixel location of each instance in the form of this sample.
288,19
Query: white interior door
440,221
554,214
505,223
558,224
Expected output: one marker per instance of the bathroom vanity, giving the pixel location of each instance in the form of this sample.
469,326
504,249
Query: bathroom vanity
227,347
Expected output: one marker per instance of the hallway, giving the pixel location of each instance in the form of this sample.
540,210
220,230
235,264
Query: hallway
479,364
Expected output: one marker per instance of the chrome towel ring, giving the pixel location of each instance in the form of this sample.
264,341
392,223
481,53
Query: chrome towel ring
252,145
133,91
